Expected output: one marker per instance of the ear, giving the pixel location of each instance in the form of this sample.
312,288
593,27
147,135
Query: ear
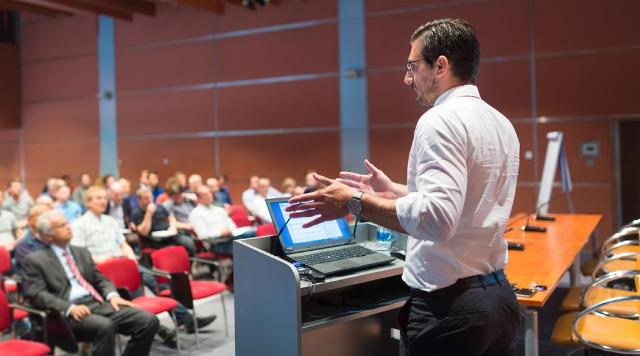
441,65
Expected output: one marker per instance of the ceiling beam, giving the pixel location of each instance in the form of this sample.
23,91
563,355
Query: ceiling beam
13,5
95,8
216,6
142,7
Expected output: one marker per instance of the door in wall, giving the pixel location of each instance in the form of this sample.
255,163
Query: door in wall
629,132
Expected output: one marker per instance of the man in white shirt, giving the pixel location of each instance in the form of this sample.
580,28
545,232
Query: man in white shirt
213,225
461,181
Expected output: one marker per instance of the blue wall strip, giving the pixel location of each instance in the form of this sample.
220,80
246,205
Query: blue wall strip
107,99
354,138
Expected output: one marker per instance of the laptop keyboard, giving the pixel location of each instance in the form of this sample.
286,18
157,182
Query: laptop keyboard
335,255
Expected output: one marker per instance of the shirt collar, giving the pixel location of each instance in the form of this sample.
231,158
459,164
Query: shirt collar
469,90
58,250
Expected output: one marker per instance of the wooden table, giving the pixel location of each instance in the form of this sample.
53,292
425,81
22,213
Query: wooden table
546,258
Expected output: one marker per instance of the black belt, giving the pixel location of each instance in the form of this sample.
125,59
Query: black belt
486,280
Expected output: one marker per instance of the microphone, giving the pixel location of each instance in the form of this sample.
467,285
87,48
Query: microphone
540,217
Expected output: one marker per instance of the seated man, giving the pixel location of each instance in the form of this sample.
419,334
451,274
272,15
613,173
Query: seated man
100,234
212,224
18,201
115,205
71,209
258,206
149,218
64,278
31,240
9,231
179,206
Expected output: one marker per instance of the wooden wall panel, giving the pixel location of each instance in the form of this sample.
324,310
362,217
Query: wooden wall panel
389,151
60,79
501,27
278,156
10,155
578,25
237,18
156,113
73,157
390,101
313,103
575,133
166,156
165,66
61,37
306,50
52,121
593,84
526,173
506,87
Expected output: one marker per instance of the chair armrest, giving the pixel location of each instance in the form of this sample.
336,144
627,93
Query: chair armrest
205,261
617,245
622,256
39,312
628,233
606,279
159,272
593,309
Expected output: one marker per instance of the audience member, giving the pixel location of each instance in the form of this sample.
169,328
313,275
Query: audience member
71,209
44,199
52,186
154,185
258,205
31,240
310,182
213,225
149,218
287,187
223,194
214,188
250,193
130,200
107,181
90,302
143,181
179,206
78,193
181,178
8,228
195,181
66,179
17,200
115,207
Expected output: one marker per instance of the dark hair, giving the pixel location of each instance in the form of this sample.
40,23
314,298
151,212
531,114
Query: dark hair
455,39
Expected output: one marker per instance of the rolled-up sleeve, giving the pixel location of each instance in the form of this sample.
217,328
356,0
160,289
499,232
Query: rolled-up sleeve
440,152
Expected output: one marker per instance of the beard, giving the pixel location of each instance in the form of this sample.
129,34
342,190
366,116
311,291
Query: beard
429,93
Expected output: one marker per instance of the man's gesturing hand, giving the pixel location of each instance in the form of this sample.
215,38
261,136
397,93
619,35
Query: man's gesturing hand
330,202
376,182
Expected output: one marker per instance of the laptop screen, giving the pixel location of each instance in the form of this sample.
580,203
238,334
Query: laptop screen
296,238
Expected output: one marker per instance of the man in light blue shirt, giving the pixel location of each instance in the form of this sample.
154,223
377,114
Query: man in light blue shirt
70,208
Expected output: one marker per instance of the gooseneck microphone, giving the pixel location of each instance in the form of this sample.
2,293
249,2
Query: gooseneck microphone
533,228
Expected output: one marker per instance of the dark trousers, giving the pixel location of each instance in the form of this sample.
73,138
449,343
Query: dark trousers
476,320
100,328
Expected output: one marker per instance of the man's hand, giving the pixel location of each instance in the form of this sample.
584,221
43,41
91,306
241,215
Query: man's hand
151,208
376,182
79,312
116,302
330,202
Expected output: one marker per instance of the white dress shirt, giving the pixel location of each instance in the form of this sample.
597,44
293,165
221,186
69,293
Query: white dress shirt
209,221
461,178
100,234
260,210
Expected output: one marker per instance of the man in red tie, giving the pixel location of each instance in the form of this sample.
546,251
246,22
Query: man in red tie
64,278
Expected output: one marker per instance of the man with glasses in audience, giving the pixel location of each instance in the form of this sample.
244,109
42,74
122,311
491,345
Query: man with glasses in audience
461,181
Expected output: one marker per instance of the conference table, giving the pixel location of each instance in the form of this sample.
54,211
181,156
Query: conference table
546,257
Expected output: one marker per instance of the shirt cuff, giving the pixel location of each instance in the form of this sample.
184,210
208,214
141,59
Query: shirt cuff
68,311
111,295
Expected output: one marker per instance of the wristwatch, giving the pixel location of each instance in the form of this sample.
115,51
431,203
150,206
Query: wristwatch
355,204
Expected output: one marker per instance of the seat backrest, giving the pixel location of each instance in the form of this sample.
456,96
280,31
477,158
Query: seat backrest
4,312
265,230
239,215
5,260
123,272
172,259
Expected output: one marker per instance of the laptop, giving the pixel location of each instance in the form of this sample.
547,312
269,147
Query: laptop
327,247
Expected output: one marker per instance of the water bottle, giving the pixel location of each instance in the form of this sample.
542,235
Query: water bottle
384,239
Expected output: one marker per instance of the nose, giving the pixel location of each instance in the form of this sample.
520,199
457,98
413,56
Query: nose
408,78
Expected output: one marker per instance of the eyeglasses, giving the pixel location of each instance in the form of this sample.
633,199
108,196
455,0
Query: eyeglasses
412,66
